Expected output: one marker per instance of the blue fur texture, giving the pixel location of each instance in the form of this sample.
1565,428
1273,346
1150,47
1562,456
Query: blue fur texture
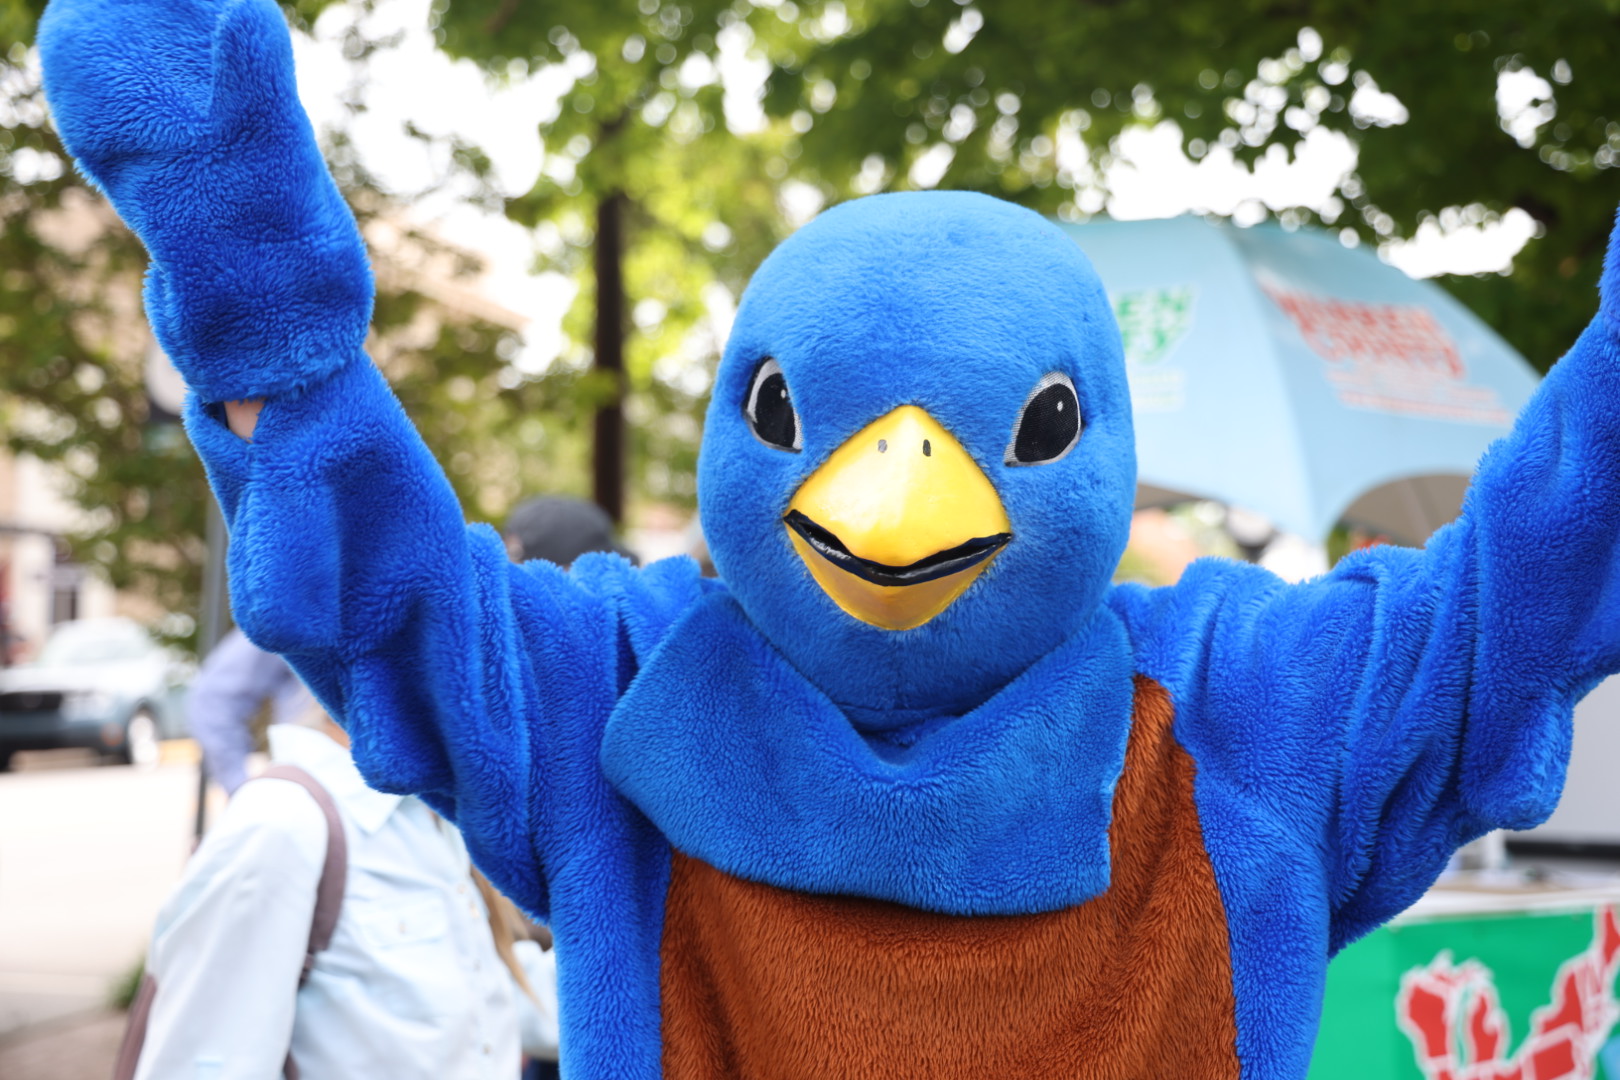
1003,812
186,114
1347,734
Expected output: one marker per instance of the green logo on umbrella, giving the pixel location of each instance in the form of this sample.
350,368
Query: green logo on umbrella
1153,321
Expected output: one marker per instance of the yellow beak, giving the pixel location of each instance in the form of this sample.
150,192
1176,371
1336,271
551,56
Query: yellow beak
898,521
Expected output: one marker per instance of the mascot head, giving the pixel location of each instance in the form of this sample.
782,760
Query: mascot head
918,466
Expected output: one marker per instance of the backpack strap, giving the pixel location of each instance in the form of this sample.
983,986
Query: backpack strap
335,870
334,876
140,1011
328,905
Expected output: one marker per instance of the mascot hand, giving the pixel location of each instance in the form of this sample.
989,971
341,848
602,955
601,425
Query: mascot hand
186,113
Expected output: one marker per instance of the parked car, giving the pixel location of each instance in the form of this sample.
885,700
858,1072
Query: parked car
104,684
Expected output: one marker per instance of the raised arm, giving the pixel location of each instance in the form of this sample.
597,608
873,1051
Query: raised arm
459,677
1411,700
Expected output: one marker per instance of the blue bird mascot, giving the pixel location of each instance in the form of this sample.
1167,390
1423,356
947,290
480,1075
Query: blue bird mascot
912,790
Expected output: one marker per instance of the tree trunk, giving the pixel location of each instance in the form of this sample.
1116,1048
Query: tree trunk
607,466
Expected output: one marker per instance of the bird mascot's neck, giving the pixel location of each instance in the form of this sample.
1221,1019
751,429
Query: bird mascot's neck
741,762
897,687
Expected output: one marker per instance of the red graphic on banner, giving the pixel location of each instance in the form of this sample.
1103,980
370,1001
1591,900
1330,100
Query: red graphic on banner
1459,1032
1347,332
1394,358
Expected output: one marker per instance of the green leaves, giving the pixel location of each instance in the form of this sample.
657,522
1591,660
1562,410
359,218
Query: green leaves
997,88
73,343
72,352
644,119
1022,98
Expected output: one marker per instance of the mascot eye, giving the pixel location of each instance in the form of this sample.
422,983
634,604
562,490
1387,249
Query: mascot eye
1049,424
769,409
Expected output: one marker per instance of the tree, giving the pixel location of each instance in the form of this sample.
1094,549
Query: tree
72,390
999,88
73,345
862,91
1022,99
656,199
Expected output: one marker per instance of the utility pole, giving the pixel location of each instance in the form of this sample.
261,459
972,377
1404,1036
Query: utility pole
607,464
213,626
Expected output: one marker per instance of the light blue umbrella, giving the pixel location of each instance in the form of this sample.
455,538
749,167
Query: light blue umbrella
1289,375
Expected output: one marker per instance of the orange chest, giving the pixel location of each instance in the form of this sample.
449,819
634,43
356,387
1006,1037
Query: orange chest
764,983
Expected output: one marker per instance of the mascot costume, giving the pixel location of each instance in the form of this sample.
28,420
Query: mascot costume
912,790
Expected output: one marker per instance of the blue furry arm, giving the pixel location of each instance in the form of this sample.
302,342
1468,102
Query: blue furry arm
1409,701
479,685
185,112
458,676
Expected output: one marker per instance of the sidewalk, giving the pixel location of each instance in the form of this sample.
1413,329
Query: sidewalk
87,855
80,1047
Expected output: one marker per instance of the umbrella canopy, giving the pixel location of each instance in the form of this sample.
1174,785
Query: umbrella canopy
1309,382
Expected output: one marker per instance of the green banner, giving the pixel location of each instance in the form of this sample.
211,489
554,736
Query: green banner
1521,996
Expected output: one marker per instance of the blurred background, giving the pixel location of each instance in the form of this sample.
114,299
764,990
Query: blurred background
564,201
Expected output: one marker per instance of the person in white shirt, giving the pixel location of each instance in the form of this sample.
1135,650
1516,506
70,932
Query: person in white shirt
412,983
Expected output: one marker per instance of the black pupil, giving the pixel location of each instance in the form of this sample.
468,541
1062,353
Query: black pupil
1050,423
773,412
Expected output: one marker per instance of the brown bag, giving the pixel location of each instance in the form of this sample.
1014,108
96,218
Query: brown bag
328,905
